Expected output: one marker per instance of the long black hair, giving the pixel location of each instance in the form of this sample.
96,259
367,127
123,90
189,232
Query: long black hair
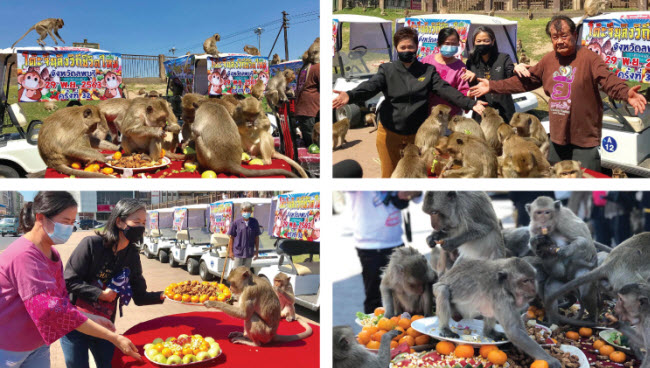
444,34
474,56
123,209
49,204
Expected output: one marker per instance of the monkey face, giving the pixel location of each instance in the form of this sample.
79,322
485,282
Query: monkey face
31,80
527,290
441,207
112,80
157,113
542,212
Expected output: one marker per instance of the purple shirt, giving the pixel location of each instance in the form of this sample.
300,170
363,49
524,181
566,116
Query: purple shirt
451,73
244,235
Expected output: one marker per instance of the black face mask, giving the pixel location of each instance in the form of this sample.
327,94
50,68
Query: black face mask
406,56
133,233
483,49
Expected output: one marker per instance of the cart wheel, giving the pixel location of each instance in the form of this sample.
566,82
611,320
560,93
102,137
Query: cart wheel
204,272
172,262
163,256
8,172
192,266
147,253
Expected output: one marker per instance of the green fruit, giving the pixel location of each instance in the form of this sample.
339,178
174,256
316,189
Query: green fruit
151,353
158,341
197,336
182,336
174,359
314,149
190,166
147,347
209,340
160,359
189,151
171,338
213,352
189,358
202,356
214,345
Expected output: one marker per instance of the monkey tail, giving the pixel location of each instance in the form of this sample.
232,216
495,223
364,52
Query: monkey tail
573,284
80,173
602,247
256,173
291,162
31,29
303,335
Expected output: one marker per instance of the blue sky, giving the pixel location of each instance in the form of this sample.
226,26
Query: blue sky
28,196
147,27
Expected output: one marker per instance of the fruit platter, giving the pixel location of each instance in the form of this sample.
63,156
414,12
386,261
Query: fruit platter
616,339
183,350
196,293
468,330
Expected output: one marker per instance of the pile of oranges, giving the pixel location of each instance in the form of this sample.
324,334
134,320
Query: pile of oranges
608,351
535,313
370,336
195,292
489,352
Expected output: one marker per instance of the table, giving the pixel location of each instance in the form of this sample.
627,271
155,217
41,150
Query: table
302,353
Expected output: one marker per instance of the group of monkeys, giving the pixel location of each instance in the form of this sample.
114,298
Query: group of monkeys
479,270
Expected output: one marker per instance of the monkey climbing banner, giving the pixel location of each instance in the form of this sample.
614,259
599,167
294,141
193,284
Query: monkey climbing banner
181,70
297,216
428,30
294,65
237,74
624,44
220,217
63,75
179,218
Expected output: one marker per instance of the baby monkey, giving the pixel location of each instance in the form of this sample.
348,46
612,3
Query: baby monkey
282,287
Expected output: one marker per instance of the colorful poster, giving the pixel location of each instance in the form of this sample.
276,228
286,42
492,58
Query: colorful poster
220,217
624,44
294,65
63,75
297,216
179,218
428,30
181,70
236,75
153,219
335,32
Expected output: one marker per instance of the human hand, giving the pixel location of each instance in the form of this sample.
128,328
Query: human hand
107,295
482,88
127,347
231,255
255,256
407,196
636,100
341,100
468,76
479,107
522,70
162,296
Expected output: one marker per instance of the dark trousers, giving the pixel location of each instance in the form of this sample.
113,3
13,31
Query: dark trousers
588,157
618,227
306,125
75,346
372,261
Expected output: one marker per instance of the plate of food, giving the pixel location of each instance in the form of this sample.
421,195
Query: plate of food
181,351
469,331
137,162
364,320
568,359
196,293
616,339
540,333
452,357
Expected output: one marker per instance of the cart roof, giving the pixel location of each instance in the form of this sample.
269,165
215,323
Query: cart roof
353,18
618,15
46,48
253,201
193,206
205,56
475,19
163,210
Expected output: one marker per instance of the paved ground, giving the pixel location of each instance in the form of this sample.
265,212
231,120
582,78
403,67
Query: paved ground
5,241
158,276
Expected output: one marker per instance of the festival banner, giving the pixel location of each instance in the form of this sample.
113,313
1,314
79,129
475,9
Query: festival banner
62,75
335,31
236,75
294,65
179,218
297,216
428,30
624,44
220,217
153,219
181,70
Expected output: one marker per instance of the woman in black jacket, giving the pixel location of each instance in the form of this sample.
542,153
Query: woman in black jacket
406,85
103,270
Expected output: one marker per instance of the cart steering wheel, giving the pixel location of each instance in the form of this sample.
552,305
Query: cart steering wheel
357,52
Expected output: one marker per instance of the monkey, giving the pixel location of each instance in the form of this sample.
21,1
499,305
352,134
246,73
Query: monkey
257,305
144,124
210,45
478,160
411,165
258,89
633,309
617,173
49,106
277,87
496,289
504,131
444,10
430,132
65,139
520,45
467,126
530,15
189,103
371,119
348,353
523,58
339,130
592,8
406,13
113,110
218,143
464,221
49,26
441,260
528,125
31,84
517,242
491,13
406,284
284,290
569,169
490,123
313,53
252,50
153,94
523,159
276,59
142,92
315,134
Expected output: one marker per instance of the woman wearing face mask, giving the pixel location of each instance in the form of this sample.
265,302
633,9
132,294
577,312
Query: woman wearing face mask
35,310
485,61
244,243
406,85
102,271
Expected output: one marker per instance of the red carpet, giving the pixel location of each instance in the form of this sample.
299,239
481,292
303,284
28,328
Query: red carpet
302,353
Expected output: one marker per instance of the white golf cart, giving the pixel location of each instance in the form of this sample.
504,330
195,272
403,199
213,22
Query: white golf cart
161,236
193,236
297,228
222,214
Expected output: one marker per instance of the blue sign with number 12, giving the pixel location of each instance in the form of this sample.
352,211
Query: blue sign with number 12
609,144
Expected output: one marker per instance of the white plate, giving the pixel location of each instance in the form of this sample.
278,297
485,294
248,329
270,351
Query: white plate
542,327
429,326
582,358
165,162
358,321
605,334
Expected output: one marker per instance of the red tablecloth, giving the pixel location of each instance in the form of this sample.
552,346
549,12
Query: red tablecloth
302,353
586,345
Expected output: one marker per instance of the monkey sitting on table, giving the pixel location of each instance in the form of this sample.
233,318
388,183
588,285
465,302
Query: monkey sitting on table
284,290
348,353
259,307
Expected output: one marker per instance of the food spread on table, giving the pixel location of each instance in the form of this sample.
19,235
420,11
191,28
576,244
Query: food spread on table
195,292
183,349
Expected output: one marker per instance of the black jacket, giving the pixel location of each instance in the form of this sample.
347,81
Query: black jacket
406,92
88,260
498,67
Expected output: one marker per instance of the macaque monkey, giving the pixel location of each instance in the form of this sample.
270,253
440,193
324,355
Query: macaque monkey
441,260
113,110
218,143
497,290
520,46
189,103
371,119
339,130
210,45
633,309
444,10
529,126
523,159
478,160
142,92
491,13
523,59
277,87
144,127
617,173
251,50
49,26
258,305
411,165
406,284
529,15
276,59
430,132
406,13
592,8
313,53
490,123
503,132
348,353
466,126
284,290
258,89
315,134
65,139
569,169
153,94
49,106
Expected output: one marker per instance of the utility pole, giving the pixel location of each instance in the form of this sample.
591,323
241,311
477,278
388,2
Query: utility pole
258,32
285,25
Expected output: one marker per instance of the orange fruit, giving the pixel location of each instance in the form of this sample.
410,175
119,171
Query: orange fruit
617,356
539,364
172,285
422,340
89,169
606,350
411,332
497,357
416,317
379,310
167,352
212,298
598,344
117,155
385,324
186,298
221,297
205,283
196,351
162,153
402,333
371,329
585,331
393,344
203,298
95,167
445,347
486,349
226,292
194,299
411,351
222,286
572,335
178,297
205,346
530,314
377,335
170,295
76,165
158,347
363,337
373,345
107,170
464,351
215,284
532,308
409,340
187,351
404,323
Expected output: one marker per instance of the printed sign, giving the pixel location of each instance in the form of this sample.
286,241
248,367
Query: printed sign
297,216
428,30
236,74
179,219
63,75
181,70
335,32
153,219
624,44
609,144
220,217
294,65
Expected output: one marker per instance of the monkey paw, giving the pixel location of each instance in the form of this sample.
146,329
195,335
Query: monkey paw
235,334
211,304
553,363
446,332
496,336
290,318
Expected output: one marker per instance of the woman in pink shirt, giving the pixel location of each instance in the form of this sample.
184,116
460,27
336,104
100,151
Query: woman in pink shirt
450,68
34,303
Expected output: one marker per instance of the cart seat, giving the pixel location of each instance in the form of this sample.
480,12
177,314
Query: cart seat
218,240
638,123
17,115
182,235
292,247
155,233
305,268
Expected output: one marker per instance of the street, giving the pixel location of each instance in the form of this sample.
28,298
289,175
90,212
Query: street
5,241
